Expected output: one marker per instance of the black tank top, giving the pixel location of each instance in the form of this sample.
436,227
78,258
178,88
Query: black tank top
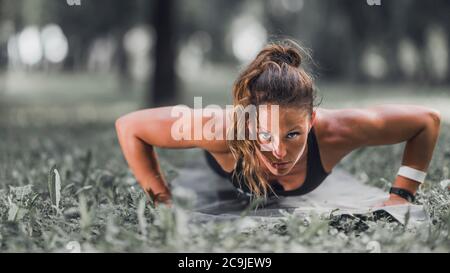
315,173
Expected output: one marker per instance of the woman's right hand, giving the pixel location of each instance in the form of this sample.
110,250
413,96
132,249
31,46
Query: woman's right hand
164,197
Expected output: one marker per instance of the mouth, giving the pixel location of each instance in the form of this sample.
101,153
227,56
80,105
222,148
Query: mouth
280,165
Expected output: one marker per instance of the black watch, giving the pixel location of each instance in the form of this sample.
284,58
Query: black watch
403,194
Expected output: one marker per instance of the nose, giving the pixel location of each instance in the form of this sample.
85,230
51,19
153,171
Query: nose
279,150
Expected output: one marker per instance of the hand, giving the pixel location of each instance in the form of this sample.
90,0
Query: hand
393,200
161,198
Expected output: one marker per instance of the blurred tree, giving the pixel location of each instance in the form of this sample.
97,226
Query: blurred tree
2,42
340,32
164,81
122,22
11,10
423,15
94,19
10,22
201,15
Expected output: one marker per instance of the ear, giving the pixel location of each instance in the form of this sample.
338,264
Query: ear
313,118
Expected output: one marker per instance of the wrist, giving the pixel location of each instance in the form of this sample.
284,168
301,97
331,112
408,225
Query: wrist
396,193
407,184
393,196
158,192
156,186
161,196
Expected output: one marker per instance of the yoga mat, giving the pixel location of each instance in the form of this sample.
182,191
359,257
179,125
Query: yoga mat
214,198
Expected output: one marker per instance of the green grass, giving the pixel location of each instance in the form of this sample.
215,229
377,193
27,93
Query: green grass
102,208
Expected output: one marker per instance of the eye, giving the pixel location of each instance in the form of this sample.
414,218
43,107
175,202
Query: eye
293,134
265,137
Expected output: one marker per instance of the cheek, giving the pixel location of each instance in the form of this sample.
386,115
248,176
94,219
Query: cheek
298,146
265,154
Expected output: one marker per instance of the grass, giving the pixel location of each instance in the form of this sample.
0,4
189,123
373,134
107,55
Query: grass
101,209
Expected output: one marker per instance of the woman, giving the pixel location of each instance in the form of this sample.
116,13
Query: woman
305,146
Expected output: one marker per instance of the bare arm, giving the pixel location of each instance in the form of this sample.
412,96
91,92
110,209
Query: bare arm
139,132
390,124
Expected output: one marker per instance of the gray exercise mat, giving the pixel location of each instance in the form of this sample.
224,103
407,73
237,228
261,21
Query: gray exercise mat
215,198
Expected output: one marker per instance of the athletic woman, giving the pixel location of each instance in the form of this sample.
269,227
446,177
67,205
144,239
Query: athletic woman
308,142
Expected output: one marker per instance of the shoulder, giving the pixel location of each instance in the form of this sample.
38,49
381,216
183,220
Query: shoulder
328,126
344,127
336,133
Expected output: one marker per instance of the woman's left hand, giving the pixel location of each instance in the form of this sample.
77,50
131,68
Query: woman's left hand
394,200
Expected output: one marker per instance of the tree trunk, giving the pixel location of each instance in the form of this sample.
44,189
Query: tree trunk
163,89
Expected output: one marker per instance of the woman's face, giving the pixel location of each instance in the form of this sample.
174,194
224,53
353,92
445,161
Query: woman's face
281,147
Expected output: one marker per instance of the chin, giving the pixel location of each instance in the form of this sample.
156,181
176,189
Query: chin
279,172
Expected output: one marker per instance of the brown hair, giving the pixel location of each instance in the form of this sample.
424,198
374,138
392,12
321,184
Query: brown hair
275,76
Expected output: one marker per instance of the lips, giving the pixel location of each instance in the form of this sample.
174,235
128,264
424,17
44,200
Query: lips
279,165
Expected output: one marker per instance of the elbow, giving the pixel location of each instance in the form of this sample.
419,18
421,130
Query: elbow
433,122
434,118
121,125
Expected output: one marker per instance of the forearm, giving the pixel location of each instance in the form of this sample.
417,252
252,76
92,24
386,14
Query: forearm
143,161
418,153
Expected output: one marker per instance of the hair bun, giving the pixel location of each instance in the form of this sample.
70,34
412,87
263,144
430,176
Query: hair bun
288,54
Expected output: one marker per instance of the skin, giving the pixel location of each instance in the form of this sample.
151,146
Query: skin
338,131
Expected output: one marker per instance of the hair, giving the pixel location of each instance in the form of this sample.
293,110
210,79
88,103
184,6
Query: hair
275,76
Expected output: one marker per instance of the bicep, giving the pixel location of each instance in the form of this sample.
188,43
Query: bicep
169,127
